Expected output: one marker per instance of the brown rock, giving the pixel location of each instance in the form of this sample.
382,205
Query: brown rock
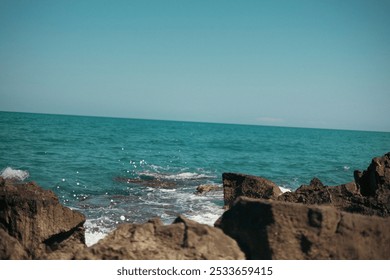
374,184
182,240
267,229
10,248
236,185
37,220
202,189
376,177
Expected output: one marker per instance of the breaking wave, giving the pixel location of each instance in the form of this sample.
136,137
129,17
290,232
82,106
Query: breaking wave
16,174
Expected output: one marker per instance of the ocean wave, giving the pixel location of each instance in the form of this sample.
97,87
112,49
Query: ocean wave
10,173
178,176
188,176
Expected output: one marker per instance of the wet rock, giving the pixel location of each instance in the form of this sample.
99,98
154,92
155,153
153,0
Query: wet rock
182,240
267,229
36,219
202,189
236,185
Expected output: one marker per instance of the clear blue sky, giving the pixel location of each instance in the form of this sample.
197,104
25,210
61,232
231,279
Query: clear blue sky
290,63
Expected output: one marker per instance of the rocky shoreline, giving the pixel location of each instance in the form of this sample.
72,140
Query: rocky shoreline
348,221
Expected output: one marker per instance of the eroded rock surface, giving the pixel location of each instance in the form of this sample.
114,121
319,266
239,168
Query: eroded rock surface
182,240
36,219
267,229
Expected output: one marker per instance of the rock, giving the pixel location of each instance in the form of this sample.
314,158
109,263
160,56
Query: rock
267,229
376,177
317,193
236,185
202,189
182,240
345,197
374,184
36,219
10,248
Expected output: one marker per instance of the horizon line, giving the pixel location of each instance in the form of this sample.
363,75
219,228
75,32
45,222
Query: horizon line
193,121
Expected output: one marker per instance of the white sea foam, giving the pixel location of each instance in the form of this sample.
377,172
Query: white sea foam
207,218
284,189
94,232
179,176
187,176
10,173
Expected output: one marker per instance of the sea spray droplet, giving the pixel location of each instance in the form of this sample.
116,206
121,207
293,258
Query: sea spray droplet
122,218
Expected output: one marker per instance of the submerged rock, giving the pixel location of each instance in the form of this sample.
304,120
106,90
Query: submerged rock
236,185
182,240
35,218
202,189
267,229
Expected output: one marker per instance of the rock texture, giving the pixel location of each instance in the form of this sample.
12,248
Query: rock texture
374,183
10,248
182,240
267,229
345,197
37,221
236,185
202,189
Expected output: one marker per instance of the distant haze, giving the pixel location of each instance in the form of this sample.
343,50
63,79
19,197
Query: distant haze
322,64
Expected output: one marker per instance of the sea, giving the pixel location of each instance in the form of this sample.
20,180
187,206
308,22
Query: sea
117,170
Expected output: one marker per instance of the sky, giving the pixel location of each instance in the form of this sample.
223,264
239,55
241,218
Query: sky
323,64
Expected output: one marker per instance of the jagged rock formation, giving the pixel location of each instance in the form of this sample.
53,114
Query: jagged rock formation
182,240
236,185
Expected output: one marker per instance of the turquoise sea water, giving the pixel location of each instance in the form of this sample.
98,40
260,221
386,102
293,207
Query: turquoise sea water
87,162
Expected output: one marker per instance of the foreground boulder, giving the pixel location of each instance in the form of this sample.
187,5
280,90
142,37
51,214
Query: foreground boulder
236,185
267,229
35,219
182,240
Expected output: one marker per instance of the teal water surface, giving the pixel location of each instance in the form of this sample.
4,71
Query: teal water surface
88,161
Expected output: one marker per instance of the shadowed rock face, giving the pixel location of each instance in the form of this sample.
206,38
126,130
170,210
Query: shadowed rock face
182,240
236,185
374,183
267,229
35,218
